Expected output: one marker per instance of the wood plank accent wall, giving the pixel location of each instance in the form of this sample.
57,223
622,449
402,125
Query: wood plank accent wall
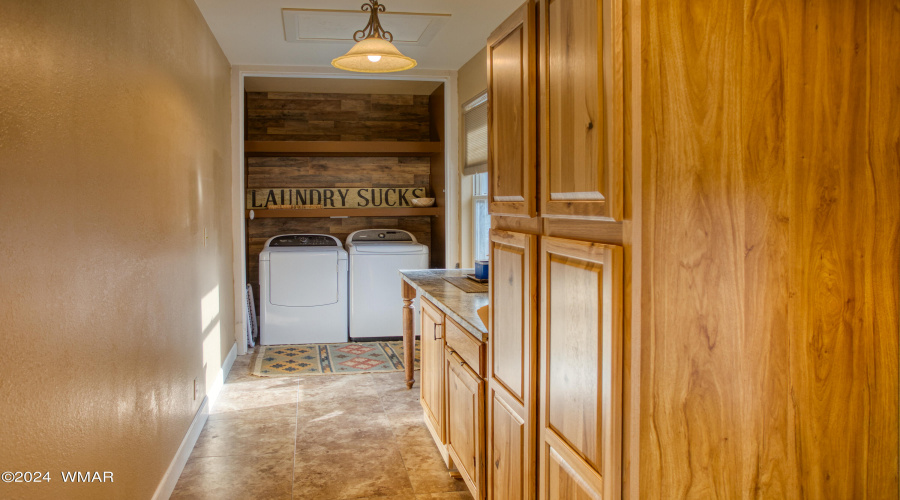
301,116
271,172
771,232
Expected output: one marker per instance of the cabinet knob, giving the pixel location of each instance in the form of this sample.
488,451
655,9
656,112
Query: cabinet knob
590,125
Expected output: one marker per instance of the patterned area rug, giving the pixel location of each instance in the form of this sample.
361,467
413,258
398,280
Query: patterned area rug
327,359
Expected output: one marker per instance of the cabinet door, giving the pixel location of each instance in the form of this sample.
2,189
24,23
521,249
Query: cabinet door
582,105
512,122
581,342
465,421
512,377
432,368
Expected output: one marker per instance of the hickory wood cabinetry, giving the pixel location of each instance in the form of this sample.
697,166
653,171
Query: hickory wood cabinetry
554,395
432,365
452,394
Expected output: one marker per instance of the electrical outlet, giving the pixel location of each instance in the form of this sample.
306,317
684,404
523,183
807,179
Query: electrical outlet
196,389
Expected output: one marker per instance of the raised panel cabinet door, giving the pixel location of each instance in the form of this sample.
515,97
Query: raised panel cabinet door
580,370
432,367
512,377
465,421
582,109
512,114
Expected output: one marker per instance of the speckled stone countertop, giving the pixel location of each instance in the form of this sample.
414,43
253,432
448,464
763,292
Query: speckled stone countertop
455,303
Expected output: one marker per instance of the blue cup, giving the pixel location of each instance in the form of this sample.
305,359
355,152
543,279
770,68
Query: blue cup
481,269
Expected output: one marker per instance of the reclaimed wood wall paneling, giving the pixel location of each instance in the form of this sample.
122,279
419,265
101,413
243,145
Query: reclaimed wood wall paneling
300,116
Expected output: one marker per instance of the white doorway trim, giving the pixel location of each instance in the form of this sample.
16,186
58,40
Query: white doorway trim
451,165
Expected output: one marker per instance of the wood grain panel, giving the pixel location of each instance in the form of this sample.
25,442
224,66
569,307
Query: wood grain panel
470,349
513,372
765,404
568,477
834,382
510,335
770,229
512,114
510,458
883,276
581,108
465,421
581,341
432,369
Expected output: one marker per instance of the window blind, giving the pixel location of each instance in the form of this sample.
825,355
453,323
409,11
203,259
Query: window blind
476,135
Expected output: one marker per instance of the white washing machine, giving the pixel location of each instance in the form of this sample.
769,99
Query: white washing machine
376,258
303,290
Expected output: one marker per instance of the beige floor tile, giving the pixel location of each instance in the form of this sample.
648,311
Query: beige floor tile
247,437
426,469
264,402
343,432
239,478
369,471
395,397
456,495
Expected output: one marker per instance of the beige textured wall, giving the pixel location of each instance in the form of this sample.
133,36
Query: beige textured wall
471,81
114,161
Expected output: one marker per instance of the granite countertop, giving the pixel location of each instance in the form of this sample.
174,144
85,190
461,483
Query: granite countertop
455,303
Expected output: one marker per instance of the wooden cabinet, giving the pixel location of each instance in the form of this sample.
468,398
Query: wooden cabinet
554,399
581,343
581,108
512,377
453,394
465,421
512,122
432,371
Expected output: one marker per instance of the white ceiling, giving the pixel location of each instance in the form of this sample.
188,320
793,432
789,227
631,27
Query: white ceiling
251,32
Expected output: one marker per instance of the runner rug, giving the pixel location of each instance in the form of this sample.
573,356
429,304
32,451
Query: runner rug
328,359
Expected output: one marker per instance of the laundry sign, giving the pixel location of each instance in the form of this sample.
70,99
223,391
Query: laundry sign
350,197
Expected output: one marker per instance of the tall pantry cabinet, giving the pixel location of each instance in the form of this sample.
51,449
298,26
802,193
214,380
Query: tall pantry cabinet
554,395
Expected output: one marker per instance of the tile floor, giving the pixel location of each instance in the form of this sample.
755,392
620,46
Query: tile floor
329,437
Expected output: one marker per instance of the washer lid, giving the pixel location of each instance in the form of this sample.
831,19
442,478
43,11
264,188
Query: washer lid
304,279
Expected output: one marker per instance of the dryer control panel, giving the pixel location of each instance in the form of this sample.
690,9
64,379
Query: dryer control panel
303,240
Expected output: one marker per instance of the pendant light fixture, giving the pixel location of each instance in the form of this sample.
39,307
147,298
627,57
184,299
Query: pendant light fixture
373,52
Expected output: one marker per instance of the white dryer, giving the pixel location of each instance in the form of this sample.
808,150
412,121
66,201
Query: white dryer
376,258
303,290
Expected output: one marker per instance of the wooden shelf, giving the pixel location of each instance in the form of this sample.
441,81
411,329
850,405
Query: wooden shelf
348,212
341,148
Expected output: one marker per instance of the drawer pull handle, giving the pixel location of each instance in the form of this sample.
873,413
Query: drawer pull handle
434,333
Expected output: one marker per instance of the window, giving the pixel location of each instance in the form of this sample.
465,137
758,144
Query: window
481,222
475,142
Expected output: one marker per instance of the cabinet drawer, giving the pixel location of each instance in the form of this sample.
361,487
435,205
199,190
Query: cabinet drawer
470,349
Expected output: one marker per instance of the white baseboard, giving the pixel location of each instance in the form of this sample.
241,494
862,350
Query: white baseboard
167,485
215,387
170,479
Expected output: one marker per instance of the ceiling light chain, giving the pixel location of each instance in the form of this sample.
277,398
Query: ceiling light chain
373,29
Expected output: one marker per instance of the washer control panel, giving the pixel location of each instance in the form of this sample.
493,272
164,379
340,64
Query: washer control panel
381,235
